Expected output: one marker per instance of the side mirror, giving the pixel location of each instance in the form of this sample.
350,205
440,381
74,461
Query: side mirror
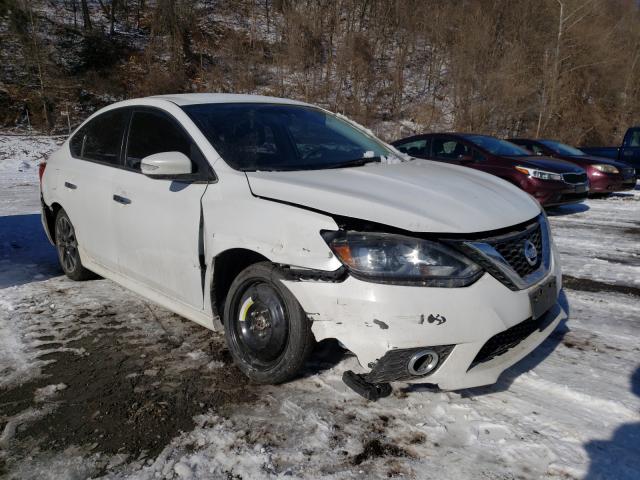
166,165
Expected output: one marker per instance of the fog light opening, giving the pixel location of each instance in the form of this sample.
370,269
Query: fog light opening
423,362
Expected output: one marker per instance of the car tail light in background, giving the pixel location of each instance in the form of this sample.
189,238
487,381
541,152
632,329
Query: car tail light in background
41,166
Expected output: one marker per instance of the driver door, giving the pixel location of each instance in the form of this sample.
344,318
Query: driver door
158,220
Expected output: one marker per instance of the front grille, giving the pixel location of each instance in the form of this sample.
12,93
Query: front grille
504,341
503,255
628,172
574,177
512,249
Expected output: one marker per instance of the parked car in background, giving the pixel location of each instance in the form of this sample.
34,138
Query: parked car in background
628,152
552,182
283,223
605,175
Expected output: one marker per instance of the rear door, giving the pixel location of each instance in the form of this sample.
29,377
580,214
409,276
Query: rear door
86,184
158,220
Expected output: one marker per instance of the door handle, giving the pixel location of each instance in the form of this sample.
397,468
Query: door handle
122,200
70,186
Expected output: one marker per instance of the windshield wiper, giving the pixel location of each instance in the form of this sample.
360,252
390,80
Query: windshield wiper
357,162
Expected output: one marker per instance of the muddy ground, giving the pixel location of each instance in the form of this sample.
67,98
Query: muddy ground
121,388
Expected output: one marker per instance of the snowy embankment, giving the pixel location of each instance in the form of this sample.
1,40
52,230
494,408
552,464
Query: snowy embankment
96,382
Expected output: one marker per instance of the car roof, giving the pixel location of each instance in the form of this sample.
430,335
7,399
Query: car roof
203,98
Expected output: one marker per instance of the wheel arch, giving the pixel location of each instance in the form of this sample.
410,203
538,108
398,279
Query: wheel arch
226,267
50,214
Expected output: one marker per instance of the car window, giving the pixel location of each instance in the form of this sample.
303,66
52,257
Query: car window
537,149
562,149
477,155
416,148
263,136
449,148
634,140
154,132
101,138
498,147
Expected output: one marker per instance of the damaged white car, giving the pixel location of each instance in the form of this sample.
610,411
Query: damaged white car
284,224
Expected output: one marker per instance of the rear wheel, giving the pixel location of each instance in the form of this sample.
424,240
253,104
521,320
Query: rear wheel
267,332
67,247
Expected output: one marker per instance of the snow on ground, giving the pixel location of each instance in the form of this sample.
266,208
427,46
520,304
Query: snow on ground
96,382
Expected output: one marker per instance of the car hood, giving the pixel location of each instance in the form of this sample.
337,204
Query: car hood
548,164
587,160
417,195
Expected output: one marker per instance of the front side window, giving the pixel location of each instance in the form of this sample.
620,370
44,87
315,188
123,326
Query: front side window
449,148
537,149
262,136
497,147
416,148
153,132
101,139
634,140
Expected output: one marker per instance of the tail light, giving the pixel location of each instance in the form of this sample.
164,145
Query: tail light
41,166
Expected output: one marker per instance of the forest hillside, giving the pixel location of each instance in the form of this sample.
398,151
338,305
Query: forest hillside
567,69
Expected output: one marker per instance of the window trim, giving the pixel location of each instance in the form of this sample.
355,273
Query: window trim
86,124
205,175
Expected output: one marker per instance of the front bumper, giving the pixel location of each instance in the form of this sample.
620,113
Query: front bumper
552,193
604,183
371,319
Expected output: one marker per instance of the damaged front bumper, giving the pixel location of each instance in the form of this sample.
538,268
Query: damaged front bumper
480,330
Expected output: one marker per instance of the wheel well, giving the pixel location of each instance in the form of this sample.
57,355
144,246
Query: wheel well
50,214
226,267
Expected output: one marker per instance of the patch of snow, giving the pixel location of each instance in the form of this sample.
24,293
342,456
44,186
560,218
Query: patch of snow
45,393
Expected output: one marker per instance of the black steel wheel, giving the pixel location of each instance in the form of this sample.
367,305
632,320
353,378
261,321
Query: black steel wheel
267,332
67,247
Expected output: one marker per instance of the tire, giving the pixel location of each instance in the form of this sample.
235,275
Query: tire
267,331
67,248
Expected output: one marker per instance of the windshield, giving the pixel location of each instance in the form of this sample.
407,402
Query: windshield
562,149
498,147
264,136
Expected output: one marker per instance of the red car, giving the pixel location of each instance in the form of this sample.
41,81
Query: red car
552,182
605,175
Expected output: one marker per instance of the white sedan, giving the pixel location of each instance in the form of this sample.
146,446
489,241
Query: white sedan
283,223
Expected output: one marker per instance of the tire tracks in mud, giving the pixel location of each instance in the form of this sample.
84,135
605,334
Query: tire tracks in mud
127,386
596,286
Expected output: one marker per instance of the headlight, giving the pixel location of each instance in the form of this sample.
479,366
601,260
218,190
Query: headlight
606,168
390,258
541,174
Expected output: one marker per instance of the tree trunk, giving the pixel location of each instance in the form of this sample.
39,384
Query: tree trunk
86,18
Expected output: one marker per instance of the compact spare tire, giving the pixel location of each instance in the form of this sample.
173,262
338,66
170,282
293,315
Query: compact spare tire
267,331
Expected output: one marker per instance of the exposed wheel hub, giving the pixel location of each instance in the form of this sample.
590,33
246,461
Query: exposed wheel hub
262,326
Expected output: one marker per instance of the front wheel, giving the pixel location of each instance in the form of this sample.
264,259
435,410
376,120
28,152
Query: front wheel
268,333
67,247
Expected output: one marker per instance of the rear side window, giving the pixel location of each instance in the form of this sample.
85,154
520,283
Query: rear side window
153,132
416,148
101,139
